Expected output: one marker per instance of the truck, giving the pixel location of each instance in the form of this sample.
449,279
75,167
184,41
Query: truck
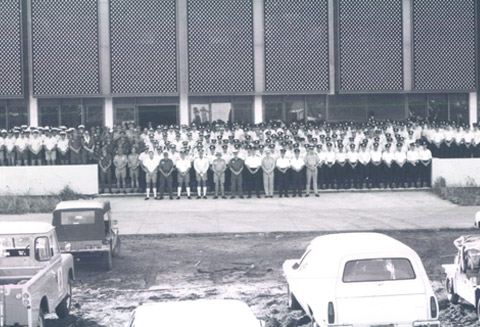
462,281
35,277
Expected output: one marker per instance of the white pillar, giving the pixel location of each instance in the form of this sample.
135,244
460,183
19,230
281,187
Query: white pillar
472,106
33,111
331,45
104,46
407,45
182,36
109,117
258,59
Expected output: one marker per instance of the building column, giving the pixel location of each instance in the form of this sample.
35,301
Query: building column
472,107
331,45
182,47
33,102
259,59
109,116
407,45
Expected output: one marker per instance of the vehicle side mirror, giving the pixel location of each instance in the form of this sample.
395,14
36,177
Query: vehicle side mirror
115,222
295,266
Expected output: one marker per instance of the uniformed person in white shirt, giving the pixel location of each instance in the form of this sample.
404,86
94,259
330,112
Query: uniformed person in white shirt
63,148
253,175
297,164
312,161
10,152
328,166
425,165
399,161
21,146
50,144
375,170
283,169
339,168
387,170
201,165
412,175
362,167
183,166
351,179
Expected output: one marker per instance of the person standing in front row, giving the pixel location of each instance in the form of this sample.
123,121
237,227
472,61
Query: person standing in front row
253,164
150,165
283,165
268,167
133,165
311,162
218,167
236,181
166,168
297,164
120,162
183,177
200,164
105,162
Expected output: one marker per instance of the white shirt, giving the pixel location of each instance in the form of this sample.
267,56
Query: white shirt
151,164
412,156
253,162
297,164
50,143
364,157
376,156
63,144
21,143
425,155
388,157
10,143
201,165
283,163
183,164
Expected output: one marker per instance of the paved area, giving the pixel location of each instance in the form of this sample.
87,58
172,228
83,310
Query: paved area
330,212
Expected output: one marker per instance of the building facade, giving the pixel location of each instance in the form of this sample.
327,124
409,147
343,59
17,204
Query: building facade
105,62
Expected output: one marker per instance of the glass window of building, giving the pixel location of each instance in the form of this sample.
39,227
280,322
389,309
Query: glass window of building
221,108
243,109
273,108
50,112
458,104
71,112
295,108
386,106
316,107
437,107
347,107
124,110
199,113
17,113
3,114
417,107
93,112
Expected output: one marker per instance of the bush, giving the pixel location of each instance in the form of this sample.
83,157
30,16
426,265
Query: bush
20,204
468,195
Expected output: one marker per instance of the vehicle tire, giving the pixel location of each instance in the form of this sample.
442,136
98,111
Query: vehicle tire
451,295
63,309
40,319
116,251
107,260
292,301
478,310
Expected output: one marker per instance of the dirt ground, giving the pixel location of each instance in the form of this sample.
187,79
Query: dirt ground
244,266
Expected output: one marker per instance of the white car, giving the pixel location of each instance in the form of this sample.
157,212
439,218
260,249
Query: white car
361,279
198,313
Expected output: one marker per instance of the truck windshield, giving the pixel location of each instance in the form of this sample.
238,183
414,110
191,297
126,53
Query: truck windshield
77,217
375,270
14,246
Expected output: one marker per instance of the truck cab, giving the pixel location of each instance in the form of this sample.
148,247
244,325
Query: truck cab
35,277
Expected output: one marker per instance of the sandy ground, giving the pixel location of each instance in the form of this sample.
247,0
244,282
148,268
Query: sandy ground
331,212
234,266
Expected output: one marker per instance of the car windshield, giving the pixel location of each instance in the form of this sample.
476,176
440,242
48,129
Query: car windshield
374,270
85,217
14,246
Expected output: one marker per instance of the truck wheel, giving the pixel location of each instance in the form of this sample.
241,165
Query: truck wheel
292,301
116,251
41,319
451,295
63,309
107,258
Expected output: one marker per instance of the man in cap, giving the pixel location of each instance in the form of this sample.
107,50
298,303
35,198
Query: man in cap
283,169
88,148
328,167
350,173
120,162
253,162
105,162
399,160
364,159
219,166
374,167
201,164
150,165
35,145
166,168
425,158
297,164
75,146
268,167
183,174
10,149
63,148
50,144
412,172
133,164
21,145
311,162
387,170
236,180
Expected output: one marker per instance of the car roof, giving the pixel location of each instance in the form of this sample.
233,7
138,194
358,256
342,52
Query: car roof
199,313
357,244
83,204
22,228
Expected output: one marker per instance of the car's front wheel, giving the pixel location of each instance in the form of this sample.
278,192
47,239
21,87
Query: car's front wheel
292,301
107,260
451,295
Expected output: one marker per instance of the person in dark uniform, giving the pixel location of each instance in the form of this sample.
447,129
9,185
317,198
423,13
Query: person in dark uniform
297,164
283,164
75,146
253,162
105,163
166,168
236,180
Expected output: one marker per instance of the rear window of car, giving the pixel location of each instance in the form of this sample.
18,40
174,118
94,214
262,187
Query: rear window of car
16,246
77,217
376,270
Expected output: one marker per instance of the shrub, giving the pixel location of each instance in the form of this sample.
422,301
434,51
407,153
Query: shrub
468,195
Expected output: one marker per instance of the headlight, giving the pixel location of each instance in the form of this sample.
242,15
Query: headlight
18,296
88,247
98,246
26,302
68,247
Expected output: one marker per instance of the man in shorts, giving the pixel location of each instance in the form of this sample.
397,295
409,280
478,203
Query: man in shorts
219,166
183,177
133,164
166,168
150,165
120,162
50,144
200,164
105,162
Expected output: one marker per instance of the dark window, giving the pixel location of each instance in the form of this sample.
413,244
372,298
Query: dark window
417,106
273,108
295,108
375,270
386,106
17,113
316,107
347,108
437,107
459,108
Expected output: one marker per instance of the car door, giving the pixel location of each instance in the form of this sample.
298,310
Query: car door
57,268
301,278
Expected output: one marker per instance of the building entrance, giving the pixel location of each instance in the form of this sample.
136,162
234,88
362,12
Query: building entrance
157,115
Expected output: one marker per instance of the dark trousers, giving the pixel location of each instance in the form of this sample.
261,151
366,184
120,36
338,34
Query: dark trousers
236,186
168,181
398,174
297,181
253,182
339,173
321,176
362,174
424,173
350,176
375,174
329,175
105,178
412,173
282,182
387,174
